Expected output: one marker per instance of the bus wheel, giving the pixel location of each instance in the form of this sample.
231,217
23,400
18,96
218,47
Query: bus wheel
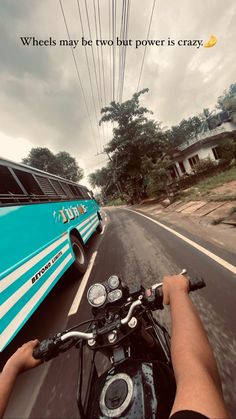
99,228
80,264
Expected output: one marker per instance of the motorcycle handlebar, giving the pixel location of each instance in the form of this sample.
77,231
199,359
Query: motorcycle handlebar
49,348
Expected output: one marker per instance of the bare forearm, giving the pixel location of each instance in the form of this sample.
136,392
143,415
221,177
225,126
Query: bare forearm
7,380
189,344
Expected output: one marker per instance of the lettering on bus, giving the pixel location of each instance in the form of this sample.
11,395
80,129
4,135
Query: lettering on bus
45,268
71,213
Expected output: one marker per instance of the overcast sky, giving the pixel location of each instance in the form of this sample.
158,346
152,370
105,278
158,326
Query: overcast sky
41,102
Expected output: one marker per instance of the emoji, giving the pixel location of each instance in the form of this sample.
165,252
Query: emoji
212,41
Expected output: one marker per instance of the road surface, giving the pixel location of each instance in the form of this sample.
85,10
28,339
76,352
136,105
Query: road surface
138,250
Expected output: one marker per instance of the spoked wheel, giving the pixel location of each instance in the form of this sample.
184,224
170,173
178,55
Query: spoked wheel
80,264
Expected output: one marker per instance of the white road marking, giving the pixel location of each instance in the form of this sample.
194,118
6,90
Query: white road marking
201,249
103,230
79,295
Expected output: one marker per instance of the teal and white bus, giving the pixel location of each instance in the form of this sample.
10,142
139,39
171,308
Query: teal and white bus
45,221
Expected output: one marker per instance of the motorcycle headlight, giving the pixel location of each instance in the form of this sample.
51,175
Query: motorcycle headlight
113,282
96,295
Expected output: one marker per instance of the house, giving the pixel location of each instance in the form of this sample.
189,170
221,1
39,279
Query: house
204,145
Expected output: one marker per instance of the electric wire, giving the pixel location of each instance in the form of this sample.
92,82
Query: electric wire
145,49
94,65
100,32
78,73
121,50
98,83
98,55
89,72
114,49
125,48
110,50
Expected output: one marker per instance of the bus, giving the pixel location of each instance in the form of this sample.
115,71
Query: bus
45,222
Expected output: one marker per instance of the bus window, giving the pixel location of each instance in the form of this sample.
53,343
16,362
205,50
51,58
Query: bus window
67,189
8,184
29,183
46,185
58,188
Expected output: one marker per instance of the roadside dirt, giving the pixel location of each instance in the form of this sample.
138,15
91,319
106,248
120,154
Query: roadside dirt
226,189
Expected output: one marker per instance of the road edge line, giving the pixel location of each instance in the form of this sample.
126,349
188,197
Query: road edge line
200,248
79,294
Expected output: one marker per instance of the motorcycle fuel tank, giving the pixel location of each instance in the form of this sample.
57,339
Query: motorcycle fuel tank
131,390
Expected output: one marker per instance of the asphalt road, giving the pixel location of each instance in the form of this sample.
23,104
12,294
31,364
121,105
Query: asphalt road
138,250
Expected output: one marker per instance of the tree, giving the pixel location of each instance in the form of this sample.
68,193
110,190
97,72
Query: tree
224,101
134,137
41,158
61,164
67,167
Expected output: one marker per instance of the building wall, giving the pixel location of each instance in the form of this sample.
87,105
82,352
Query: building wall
203,152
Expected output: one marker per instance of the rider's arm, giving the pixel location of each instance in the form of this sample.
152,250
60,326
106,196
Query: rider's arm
20,361
196,373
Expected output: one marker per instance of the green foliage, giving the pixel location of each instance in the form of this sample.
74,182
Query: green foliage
228,150
204,165
135,138
227,101
157,175
61,164
116,202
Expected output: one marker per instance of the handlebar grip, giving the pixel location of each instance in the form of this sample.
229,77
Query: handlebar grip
37,353
196,284
46,350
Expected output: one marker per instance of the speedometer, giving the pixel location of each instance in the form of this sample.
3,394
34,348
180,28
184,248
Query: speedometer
97,295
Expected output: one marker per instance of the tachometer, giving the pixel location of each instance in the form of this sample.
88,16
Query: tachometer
113,282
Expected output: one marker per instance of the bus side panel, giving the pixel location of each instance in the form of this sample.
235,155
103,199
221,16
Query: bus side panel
35,251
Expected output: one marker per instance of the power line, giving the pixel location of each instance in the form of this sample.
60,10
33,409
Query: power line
125,48
98,58
100,31
110,52
121,48
94,65
99,91
89,72
114,49
78,74
144,53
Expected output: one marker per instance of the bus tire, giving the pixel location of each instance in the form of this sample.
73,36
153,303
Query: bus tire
80,264
99,228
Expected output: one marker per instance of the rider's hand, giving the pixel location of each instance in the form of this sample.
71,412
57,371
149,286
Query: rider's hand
22,359
173,284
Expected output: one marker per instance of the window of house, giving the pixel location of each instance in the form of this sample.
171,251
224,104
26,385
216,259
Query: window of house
217,152
182,168
193,160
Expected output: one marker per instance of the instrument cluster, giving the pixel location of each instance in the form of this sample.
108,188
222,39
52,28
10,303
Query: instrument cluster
108,292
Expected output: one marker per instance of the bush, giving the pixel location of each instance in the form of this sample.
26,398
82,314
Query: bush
228,150
204,165
116,202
